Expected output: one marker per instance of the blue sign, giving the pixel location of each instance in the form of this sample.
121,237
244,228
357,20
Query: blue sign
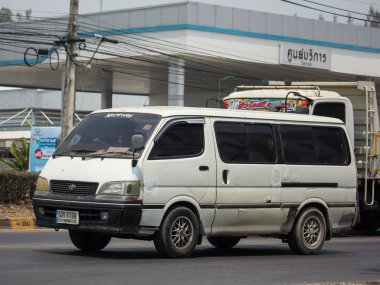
42,146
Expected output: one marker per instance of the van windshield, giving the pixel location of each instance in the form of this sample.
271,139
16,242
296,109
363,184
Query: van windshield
107,135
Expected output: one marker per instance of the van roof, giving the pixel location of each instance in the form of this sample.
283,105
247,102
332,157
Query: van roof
172,111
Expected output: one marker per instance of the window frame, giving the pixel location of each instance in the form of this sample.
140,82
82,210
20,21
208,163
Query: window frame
348,156
174,122
274,136
322,104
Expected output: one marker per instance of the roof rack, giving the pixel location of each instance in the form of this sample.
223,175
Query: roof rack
311,87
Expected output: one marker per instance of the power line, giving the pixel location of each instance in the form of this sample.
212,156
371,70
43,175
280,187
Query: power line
202,51
364,2
341,9
324,11
145,45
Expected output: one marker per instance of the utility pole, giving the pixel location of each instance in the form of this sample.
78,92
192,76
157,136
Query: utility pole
68,94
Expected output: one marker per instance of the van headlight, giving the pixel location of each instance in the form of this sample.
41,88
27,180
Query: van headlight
126,188
42,184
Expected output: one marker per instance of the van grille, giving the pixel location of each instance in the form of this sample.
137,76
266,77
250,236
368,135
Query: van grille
73,187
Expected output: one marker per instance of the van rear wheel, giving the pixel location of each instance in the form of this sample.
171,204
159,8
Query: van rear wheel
178,234
87,241
308,233
223,242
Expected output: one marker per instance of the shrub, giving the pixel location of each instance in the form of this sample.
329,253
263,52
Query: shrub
17,186
21,156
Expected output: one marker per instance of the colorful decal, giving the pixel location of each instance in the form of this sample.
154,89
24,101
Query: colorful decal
269,105
42,146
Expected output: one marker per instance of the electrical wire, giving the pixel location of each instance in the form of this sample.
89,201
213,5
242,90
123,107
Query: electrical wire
144,38
341,9
324,11
141,46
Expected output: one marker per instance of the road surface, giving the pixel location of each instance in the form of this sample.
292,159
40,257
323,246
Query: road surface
48,257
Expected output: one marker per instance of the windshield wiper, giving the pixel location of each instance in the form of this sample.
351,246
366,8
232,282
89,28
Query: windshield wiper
77,152
117,152
110,152
83,150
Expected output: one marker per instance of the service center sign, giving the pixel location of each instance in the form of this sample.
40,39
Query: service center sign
42,146
306,55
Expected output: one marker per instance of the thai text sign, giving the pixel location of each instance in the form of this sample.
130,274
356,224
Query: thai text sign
306,55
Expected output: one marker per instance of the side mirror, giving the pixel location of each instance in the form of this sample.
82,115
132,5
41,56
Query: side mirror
138,143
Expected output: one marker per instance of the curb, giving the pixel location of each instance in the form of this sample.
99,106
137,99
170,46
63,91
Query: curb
18,223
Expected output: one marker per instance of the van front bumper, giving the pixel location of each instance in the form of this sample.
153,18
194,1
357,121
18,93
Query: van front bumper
95,215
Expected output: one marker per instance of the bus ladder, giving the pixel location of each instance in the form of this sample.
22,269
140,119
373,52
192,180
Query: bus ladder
369,145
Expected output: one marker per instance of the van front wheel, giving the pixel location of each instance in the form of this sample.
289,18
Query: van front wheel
178,234
87,241
309,232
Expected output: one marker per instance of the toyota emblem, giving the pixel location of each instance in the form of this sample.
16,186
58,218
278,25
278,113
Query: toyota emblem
72,187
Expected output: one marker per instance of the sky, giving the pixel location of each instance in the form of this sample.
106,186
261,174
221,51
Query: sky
51,8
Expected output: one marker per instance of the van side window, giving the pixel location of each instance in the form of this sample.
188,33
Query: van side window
179,140
334,110
298,145
314,145
245,143
331,146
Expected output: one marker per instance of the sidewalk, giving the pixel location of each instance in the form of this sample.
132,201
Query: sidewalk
18,223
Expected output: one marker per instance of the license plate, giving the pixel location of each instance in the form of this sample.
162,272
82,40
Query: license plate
67,217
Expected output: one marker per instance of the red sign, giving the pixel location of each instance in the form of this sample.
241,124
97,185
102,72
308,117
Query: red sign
38,153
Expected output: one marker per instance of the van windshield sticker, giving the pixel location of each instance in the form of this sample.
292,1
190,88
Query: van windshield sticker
119,115
147,127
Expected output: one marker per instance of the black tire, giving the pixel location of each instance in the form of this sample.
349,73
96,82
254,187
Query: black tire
308,233
90,242
223,242
178,234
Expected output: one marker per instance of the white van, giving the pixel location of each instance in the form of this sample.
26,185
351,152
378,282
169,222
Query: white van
174,175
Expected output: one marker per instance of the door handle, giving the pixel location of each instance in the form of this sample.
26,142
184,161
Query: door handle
203,168
225,176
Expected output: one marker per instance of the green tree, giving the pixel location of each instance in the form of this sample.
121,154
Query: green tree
5,15
21,156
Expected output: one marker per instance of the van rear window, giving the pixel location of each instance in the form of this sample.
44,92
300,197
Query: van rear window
314,145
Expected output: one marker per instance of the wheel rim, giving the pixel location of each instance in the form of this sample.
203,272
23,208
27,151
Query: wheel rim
312,232
182,232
